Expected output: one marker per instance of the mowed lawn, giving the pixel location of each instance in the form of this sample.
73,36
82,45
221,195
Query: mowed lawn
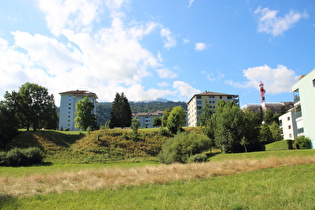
286,183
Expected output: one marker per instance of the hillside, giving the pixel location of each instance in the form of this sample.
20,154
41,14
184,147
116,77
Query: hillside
98,146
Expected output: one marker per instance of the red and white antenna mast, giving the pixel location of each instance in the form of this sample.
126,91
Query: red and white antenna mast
262,95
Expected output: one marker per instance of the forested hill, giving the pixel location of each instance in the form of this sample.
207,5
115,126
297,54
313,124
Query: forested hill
103,109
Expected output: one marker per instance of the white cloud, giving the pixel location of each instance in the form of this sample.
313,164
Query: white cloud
77,56
200,46
213,76
190,3
186,41
270,23
163,84
169,39
71,14
166,73
278,80
184,89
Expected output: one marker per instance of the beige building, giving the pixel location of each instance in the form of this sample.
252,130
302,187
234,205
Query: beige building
68,103
198,102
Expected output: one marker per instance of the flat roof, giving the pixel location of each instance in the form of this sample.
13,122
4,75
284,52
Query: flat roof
79,93
209,93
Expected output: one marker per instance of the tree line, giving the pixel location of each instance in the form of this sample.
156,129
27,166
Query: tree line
233,130
30,107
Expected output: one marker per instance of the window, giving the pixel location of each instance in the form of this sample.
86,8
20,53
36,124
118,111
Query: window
199,102
288,118
313,82
289,127
280,122
229,97
296,95
220,97
198,97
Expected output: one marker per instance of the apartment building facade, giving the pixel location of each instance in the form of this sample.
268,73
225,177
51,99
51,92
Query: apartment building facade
68,103
146,119
288,125
198,102
304,106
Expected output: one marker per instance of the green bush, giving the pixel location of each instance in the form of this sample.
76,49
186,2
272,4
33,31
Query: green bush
164,131
183,146
280,145
198,158
21,157
303,142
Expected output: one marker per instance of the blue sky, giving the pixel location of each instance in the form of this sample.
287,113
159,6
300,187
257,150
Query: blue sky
152,49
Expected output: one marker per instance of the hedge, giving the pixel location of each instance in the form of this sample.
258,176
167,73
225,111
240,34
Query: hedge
280,145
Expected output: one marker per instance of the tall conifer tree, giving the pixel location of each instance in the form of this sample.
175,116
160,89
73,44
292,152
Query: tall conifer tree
121,112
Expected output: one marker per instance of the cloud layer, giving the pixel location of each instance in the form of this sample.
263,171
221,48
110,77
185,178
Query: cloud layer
80,53
271,23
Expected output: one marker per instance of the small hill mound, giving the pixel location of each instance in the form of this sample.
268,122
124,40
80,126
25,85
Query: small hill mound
97,146
48,141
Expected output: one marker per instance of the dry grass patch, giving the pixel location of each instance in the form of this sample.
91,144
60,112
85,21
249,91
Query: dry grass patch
113,178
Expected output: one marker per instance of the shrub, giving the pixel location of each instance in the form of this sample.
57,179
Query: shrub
33,156
303,142
182,146
280,145
198,158
164,131
21,157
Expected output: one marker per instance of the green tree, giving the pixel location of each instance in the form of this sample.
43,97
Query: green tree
176,119
33,106
8,124
156,121
207,124
228,126
121,113
84,115
135,124
275,131
265,134
252,123
165,115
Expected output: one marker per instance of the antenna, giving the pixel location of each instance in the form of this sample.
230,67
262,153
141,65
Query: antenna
262,92
262,96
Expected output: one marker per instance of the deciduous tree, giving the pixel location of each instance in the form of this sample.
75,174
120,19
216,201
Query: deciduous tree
84,115
33,106
176,119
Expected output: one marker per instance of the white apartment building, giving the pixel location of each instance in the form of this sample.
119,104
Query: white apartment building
198,102
146,119
68,103
304,105
288,125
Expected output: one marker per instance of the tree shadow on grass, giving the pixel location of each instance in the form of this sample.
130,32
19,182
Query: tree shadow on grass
6,201
211,155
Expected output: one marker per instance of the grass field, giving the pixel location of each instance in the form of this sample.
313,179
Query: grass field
264,180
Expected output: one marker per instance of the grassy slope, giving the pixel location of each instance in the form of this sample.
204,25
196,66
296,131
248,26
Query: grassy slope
98,146
274,188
